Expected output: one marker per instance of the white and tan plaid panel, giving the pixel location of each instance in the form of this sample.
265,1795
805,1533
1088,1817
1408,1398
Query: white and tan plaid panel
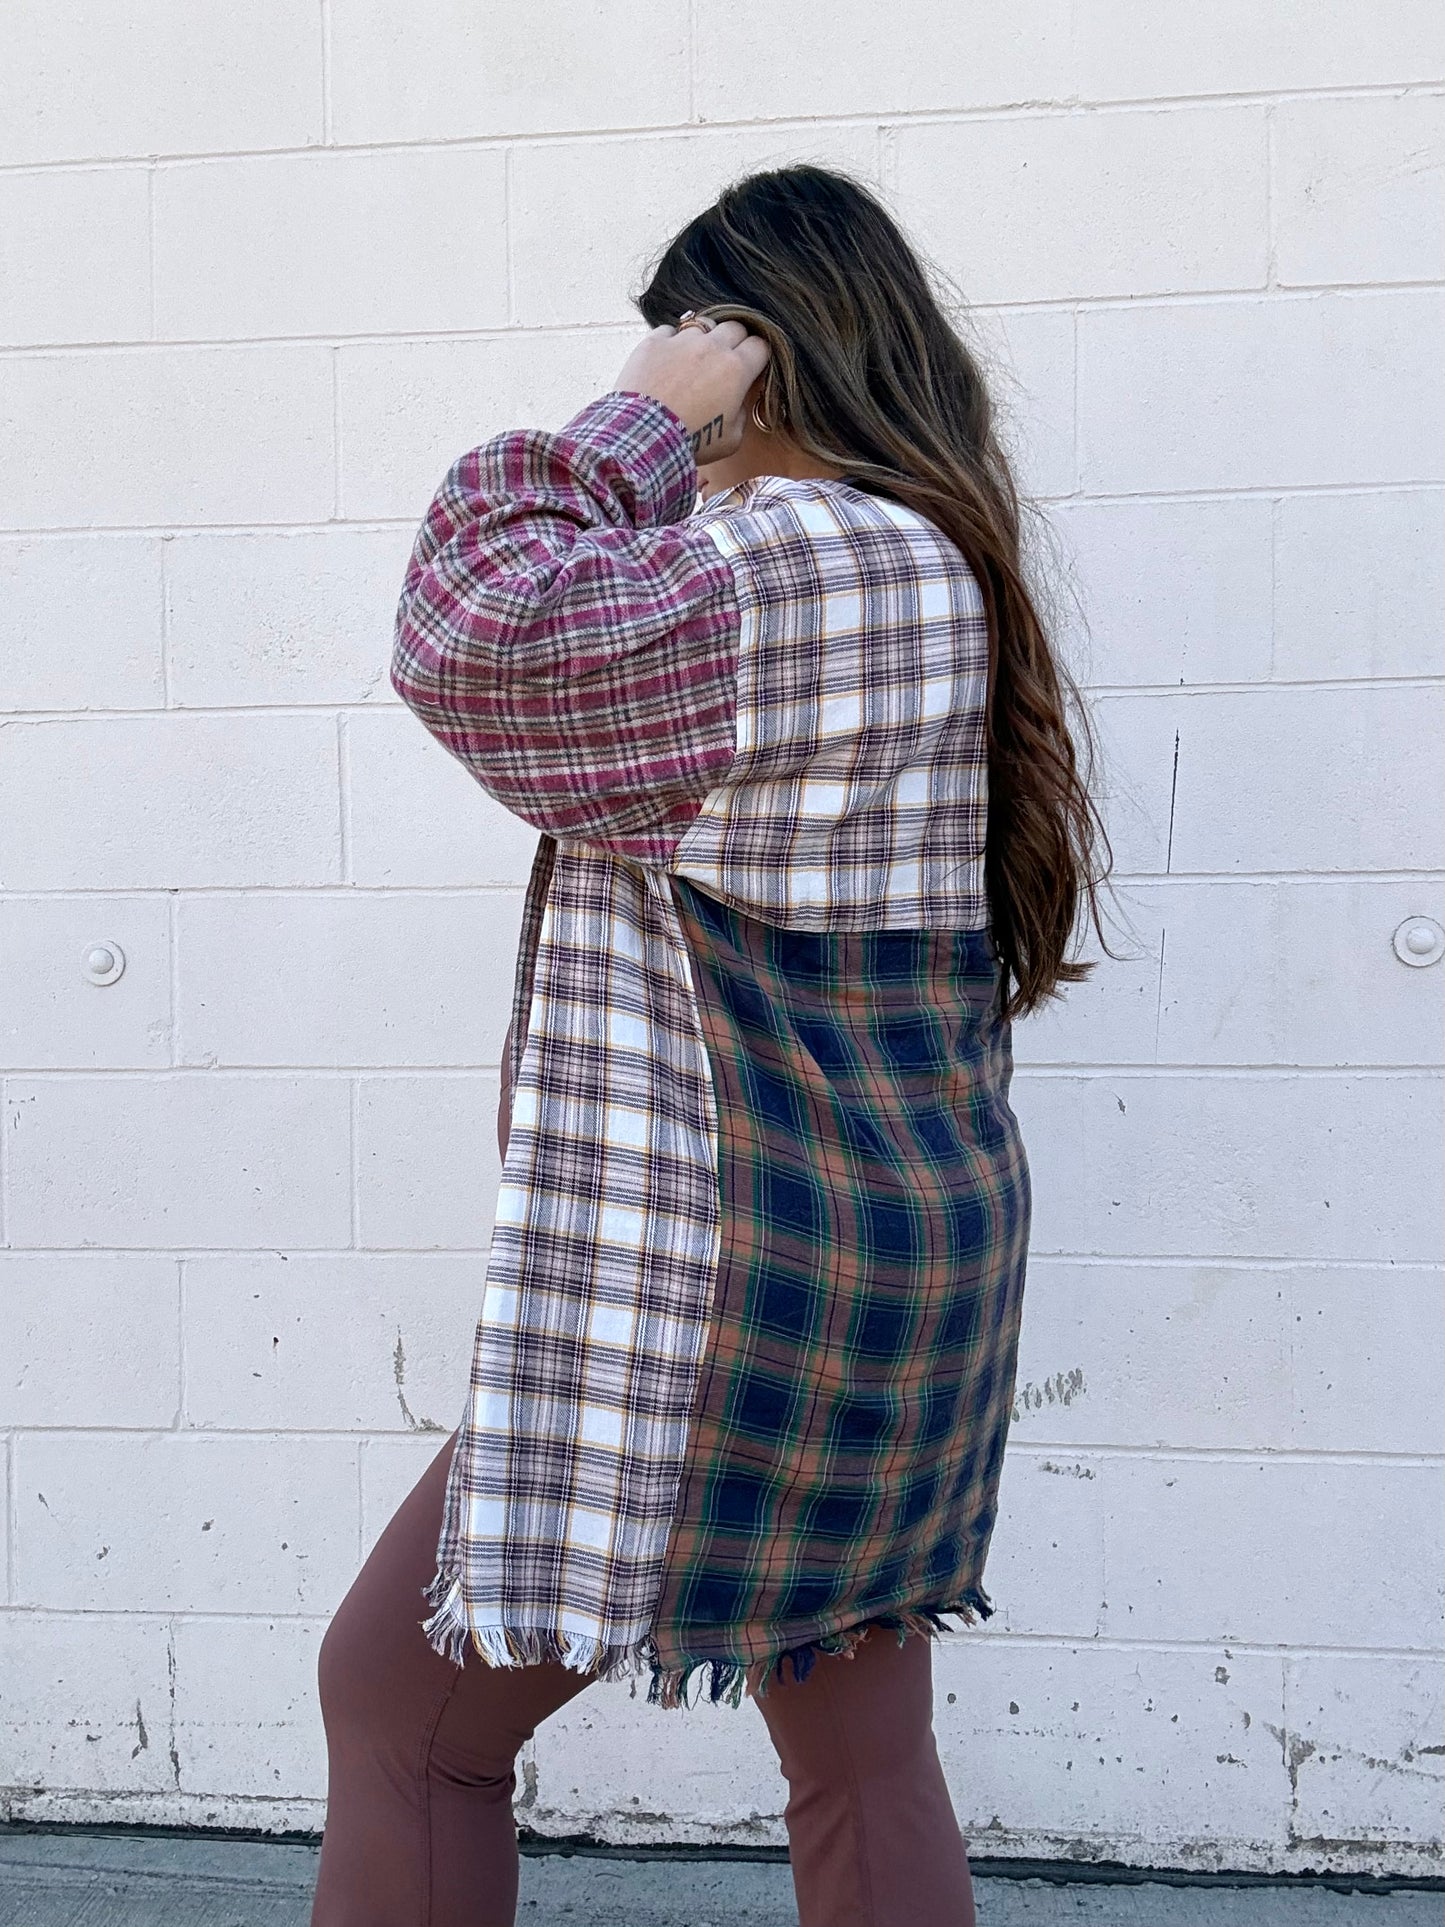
600,1278
858,799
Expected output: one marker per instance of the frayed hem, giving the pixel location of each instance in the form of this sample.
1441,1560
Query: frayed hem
449,1633
926,1622
716,1680
726,1679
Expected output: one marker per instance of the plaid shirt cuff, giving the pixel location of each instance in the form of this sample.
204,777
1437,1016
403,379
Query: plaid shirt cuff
650,444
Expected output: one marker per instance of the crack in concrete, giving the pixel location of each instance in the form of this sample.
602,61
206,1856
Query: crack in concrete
398,1365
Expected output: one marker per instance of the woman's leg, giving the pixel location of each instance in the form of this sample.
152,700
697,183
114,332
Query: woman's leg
871,1830
419,1829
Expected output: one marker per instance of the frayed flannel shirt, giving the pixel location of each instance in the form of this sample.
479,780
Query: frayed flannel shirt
745,1358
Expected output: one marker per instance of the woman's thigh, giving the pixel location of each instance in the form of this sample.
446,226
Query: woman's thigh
385,1684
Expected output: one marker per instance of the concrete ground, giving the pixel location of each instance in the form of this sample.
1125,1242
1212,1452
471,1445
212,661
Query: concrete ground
79,1879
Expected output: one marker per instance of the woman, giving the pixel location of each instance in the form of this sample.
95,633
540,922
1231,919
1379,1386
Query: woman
747,642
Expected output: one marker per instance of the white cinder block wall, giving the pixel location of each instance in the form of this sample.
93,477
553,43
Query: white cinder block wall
264,271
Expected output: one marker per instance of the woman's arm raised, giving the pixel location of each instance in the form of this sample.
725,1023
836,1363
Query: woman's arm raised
567,636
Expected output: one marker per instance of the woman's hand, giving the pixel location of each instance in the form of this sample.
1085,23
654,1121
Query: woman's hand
704,375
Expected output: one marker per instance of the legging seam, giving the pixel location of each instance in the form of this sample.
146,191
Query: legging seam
423,1780
865,1870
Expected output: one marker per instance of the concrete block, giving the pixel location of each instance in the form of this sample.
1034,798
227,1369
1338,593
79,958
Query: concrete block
1250,794
1256,1552
1153,1164
177,1162
419,819
391,242
337,980
1359,584
1194,1355
390,1468
1356,194
97,645
587,218
1171,592
170,802
1263,1357
1363,1348
81,82
283,618
1362,1732
1061,206
543,67
248,1719
1271,393
1137,741
86,1702
52,1015
129,437
1045,1571
96,287
349,1341
179,1522
89,1339
1113,1016
1232,46
854,59
406,411
427,1168
1048,1747
600,1760
1027,357
1296,973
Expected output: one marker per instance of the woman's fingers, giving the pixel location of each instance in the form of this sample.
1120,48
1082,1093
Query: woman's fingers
755,353
727,334
703,374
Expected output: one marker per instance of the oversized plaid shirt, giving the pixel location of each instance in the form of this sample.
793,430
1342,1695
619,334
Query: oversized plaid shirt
755,943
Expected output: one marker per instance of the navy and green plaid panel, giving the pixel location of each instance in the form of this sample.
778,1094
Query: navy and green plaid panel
855,1394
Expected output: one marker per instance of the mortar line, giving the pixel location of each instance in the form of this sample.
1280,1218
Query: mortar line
1136,879
691,62
1266,1262
343,798
336,515
173,974
167,691
1258,1457
7,1124
12,1518
508,225
352,1154
1167,692
151,243
182,1376
1062,504
1276,515
1271,237
1255,295
1059,1069
1021,108
326,116
1207,1647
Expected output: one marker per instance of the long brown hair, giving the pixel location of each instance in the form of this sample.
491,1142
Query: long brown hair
868,374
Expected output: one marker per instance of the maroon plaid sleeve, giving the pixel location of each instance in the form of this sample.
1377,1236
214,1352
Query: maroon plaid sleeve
569,635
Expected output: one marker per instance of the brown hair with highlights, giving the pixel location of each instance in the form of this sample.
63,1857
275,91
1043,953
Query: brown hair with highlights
868,374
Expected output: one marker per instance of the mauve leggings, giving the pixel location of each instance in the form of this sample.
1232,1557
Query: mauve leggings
419,1828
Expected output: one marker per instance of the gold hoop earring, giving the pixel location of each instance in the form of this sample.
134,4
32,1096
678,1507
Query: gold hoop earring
763,428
